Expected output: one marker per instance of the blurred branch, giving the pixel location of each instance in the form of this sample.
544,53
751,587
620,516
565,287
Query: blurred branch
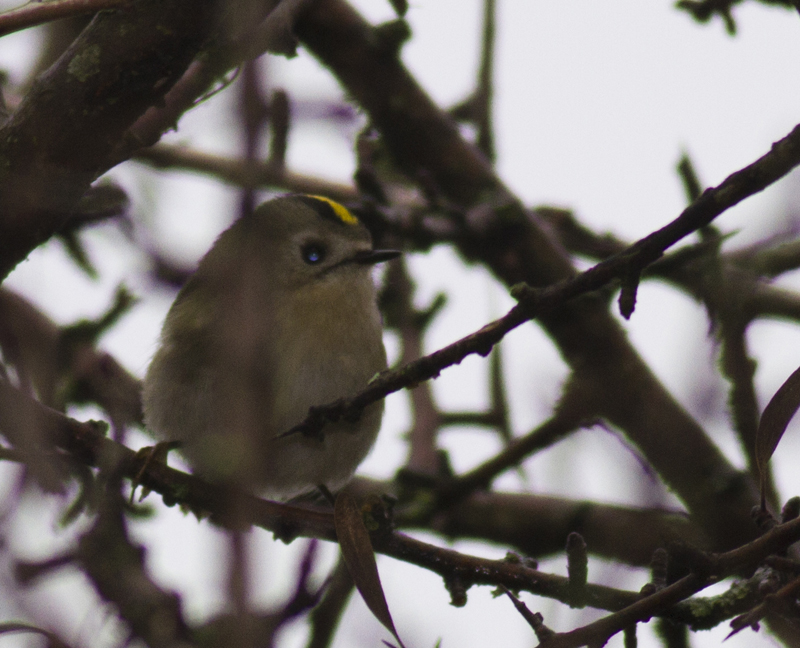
743,270
770,301
705,571
691,183
116,568
86,444
497,415
703,10
477,108
327,614
279,118
270,28
54,641
398,308
101,202
739,368
545,435
34,14
536,302
576,237
47,361
499,232
768,258
242,173
537,525
421,140
262,628
50,162
783,598
486,81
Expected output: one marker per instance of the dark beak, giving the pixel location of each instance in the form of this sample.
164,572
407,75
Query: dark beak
371,257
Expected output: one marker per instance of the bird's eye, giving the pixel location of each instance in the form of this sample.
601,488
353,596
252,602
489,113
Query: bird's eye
313,253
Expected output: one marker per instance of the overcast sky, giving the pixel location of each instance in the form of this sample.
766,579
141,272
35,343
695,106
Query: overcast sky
595,103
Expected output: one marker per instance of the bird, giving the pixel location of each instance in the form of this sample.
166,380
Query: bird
280,315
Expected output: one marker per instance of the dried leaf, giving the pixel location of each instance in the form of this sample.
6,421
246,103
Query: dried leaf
360,558
774,421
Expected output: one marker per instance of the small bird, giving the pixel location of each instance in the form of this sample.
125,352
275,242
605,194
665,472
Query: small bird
280,315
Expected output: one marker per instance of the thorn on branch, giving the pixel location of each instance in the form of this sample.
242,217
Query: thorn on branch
535,619
426,316
790,510
391,36
627,296
88,331
762,518
685,559
577,569
659,566
279,120
457,588
400,7
691,183
523,292
317,417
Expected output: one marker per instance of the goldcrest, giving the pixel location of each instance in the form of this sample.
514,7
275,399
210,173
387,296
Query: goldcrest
280,315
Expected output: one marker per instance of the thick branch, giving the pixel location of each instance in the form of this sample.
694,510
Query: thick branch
510,241
539,302
60,138
87,444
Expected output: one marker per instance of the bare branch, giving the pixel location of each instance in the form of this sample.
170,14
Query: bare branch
34,14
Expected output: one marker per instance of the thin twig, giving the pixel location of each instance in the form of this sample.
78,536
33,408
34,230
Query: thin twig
36,13
241,172
485,89
783,157
481,477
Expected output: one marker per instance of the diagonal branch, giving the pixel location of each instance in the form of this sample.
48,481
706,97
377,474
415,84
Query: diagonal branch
34,14
86,444
784,156
60,138
512,243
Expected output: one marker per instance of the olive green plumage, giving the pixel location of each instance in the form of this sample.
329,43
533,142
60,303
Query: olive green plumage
280,315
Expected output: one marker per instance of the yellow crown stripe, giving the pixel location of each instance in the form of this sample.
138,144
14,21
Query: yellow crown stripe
340,210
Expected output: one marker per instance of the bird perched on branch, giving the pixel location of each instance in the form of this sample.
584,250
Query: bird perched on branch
281,315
